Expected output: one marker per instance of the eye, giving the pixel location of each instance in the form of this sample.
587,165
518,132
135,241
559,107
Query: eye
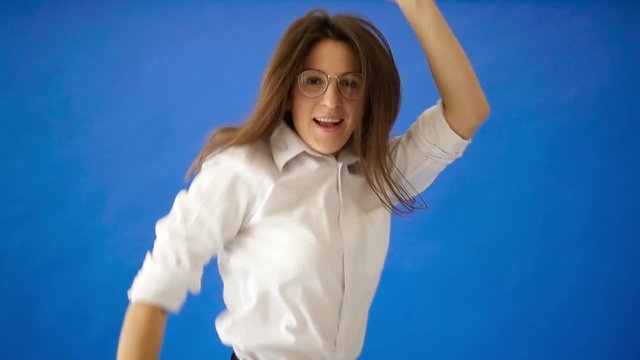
350,82
314,81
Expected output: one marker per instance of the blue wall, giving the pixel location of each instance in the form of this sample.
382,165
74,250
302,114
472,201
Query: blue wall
528,250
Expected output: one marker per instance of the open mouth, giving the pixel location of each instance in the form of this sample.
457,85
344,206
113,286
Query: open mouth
328,122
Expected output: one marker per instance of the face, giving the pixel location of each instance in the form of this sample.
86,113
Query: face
326,123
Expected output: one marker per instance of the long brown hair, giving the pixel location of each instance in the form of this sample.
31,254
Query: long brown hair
381,102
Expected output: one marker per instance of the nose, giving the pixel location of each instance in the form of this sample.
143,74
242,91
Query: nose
331,97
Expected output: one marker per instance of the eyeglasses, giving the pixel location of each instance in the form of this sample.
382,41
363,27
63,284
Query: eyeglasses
313,83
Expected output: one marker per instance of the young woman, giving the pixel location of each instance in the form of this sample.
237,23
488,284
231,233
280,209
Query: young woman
296,202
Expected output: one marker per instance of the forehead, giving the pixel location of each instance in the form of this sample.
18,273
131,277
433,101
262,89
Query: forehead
332,57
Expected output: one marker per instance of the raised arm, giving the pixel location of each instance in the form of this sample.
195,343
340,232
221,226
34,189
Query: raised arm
465,106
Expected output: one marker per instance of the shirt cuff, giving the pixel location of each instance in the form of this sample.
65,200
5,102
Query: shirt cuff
160,285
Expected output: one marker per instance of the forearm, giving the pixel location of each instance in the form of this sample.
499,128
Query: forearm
465,105
142,332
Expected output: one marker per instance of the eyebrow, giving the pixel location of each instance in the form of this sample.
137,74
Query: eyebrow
344,73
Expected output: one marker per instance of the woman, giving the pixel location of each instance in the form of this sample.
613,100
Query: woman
296,202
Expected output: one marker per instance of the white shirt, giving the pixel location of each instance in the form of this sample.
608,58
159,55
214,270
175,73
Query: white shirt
300,238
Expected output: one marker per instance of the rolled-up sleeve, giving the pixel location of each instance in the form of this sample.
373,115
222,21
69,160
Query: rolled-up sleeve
426,148
201,220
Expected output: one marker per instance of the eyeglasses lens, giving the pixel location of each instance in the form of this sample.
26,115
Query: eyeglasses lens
313,83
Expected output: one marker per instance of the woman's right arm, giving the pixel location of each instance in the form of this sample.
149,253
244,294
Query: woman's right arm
142,332
201,221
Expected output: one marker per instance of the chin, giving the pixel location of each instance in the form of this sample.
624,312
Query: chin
329,150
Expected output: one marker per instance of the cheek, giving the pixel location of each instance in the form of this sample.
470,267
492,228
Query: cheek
300,111
298,103
357,113
357,119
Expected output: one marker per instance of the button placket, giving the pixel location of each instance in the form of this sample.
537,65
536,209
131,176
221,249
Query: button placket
346,237
339,190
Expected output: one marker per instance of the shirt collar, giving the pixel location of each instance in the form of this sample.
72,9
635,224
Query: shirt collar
286,144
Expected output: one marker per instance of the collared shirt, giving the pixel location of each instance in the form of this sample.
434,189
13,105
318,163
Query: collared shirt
300,239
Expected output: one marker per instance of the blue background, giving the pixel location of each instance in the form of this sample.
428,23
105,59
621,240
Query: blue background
529,249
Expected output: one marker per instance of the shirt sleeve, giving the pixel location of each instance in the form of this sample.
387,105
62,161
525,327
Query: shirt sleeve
426,148
200,222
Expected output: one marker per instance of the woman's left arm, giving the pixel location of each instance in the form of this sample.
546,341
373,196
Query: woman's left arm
465,106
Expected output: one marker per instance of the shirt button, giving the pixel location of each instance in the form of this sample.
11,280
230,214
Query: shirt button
284,147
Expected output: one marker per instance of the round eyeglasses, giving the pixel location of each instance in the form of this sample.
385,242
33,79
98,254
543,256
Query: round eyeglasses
313,83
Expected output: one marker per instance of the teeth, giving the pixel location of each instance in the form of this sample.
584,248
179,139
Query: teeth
328,120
